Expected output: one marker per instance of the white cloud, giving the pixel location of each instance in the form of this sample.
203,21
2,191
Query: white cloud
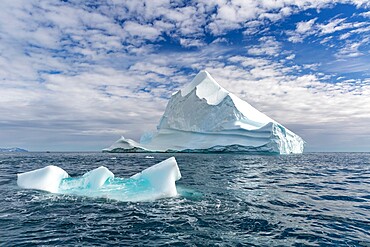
137,30
290,57
334,26
351,49
303,30
345,36
365,14
191,42
304,27
268,46
152,67
312,66
220,40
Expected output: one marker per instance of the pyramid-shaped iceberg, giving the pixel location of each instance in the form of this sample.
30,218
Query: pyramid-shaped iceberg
204,117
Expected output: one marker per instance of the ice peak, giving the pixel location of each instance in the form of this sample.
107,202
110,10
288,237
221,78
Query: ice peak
203,77
206,88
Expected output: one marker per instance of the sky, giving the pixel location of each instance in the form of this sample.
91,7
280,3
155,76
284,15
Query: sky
77,75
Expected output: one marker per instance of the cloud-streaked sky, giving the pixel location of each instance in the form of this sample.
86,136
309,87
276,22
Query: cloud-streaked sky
76,75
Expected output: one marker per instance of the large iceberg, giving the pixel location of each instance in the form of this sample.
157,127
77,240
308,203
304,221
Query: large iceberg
155,182
204,117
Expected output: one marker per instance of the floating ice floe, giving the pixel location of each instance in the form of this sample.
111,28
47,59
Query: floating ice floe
155,182
204,117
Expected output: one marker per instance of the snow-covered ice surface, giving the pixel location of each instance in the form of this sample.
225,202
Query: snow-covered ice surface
155,182
204,117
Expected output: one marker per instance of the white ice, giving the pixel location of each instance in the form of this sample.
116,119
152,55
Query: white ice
155,182
96,178
47,179
162,177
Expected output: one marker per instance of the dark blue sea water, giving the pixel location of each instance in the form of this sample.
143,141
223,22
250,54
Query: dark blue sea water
226,200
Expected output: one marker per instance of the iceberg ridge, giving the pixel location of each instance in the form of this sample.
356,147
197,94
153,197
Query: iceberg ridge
204,117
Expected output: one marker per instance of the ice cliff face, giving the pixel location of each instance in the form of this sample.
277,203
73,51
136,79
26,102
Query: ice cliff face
204,117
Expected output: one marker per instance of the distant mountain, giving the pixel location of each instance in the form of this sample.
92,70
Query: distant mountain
12,150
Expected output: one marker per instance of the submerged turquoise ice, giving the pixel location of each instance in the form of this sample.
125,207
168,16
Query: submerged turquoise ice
114,188
155,182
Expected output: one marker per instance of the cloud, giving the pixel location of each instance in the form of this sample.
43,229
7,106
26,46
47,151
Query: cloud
305,26
365,14
303,30
334,26
351,49
191,42
138,31
268,46
152,67
359,29
290,57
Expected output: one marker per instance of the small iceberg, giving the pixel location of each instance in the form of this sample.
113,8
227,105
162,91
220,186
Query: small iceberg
155,182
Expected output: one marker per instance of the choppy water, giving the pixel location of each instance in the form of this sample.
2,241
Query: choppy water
226,200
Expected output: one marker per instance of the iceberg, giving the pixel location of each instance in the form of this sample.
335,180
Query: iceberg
205,117
47,179
155,182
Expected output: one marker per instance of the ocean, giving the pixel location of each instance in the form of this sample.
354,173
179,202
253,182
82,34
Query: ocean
313,199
